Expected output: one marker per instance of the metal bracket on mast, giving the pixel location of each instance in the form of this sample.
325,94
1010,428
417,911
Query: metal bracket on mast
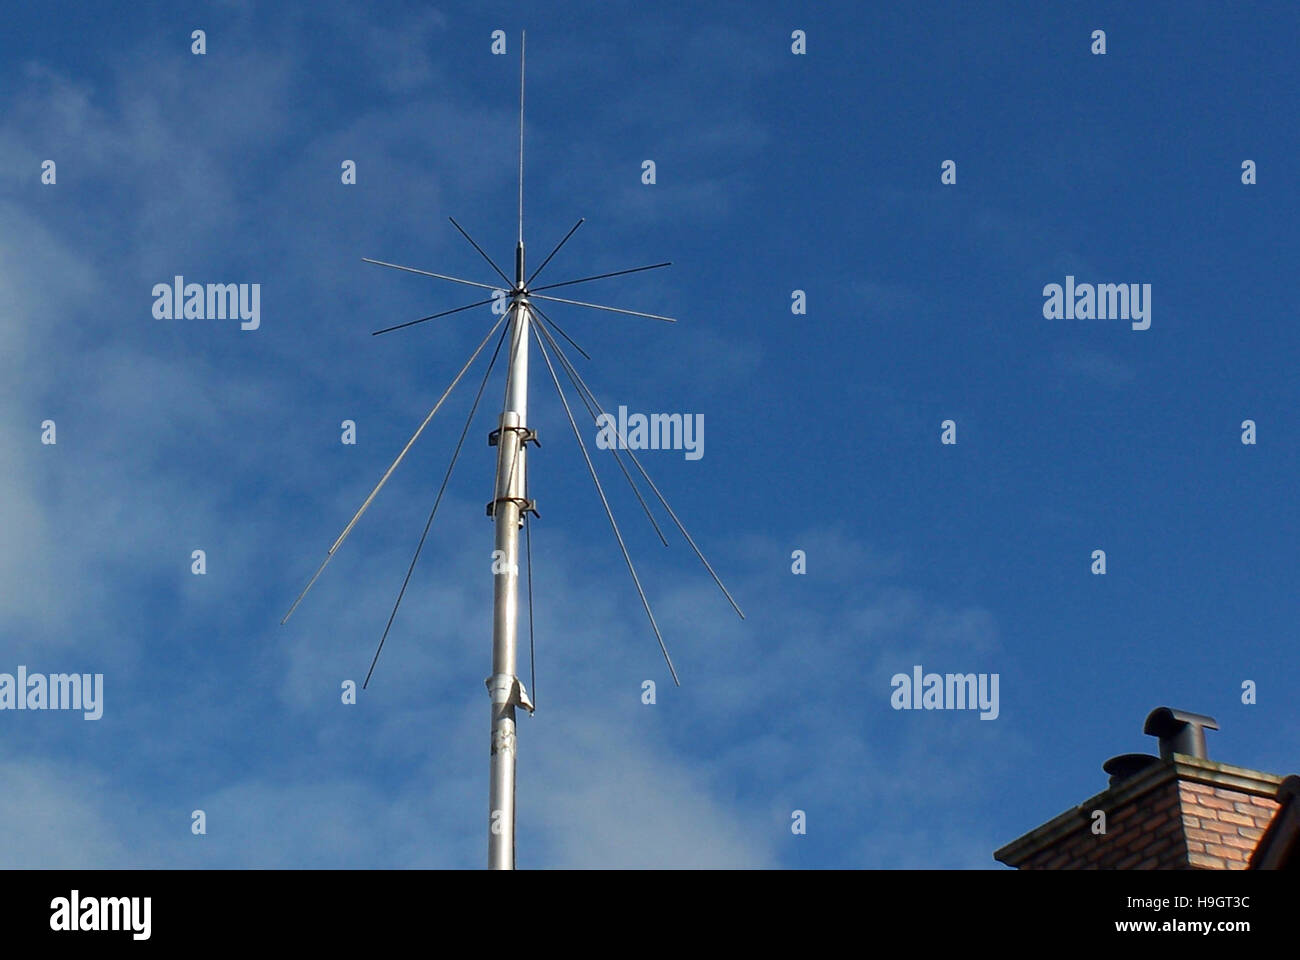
525,436
508,689
523,503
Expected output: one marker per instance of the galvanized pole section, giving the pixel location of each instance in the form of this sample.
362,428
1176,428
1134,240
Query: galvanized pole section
507,511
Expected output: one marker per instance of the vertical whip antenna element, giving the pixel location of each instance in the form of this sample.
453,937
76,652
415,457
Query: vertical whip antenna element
523,41
521,322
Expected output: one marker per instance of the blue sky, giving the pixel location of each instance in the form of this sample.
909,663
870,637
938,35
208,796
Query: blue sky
775,172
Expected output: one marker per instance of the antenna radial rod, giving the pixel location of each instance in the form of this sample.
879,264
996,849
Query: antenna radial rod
581,221
437,501
433,316
608,512
582,385
558,329
491,263
383,480
598,306
602,276
426,273
587,403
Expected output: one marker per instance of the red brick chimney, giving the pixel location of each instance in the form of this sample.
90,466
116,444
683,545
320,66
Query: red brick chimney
1178,811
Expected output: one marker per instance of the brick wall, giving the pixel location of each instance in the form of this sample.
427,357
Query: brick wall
1146,833
1182,813
1222,826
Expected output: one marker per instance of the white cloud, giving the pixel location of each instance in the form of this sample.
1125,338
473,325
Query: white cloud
606,798
54,818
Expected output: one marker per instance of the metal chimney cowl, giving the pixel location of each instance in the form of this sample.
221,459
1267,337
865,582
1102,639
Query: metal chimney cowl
1180,731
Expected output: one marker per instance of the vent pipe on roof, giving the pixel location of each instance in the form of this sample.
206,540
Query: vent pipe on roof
1180,731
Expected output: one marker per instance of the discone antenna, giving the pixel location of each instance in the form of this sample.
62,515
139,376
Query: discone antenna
521,322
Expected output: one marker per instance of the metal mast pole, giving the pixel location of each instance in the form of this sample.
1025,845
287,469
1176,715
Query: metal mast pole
507,510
